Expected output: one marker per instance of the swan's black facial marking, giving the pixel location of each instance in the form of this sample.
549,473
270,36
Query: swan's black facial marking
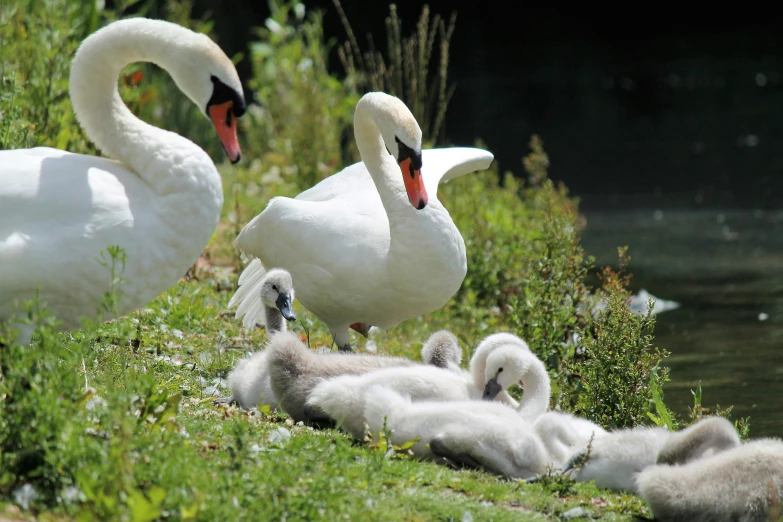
406,152
284,305
222,93
492,389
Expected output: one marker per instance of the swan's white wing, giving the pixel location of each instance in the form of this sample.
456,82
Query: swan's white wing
443,165
54,203
438,166
58,212
318,232
353,178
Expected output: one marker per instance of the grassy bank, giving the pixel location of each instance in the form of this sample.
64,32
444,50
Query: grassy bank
116,422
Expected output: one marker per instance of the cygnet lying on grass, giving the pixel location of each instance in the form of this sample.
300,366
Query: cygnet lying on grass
494,438
737,485
294,371
614,460
342,398
249,380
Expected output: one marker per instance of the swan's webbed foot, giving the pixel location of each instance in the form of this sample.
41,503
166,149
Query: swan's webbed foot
362,328
576,461
345,348
316,418
461,460
225,400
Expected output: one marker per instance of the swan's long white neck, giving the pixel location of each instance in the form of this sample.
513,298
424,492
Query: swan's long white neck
537,390
381,165
417,247
160,158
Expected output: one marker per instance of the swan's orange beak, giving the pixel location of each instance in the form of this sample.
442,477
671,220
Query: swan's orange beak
222,116
414,184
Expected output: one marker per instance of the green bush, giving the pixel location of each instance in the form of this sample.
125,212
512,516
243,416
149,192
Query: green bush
620,373
37,41
527,269
295,134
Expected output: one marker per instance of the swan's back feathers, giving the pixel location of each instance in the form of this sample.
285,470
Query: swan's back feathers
295,370
442,350
706,437
502,444
438,166
617,457
342,398
379,403
61,210
740,484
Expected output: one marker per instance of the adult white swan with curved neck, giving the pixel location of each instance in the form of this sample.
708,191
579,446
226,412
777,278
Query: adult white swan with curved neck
159,198
364,249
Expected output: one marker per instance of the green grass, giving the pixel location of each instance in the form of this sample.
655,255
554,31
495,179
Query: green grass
214,463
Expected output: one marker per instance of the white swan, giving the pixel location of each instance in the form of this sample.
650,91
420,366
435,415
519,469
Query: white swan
342,398
369,250
743,484
159,199
249,380
614,460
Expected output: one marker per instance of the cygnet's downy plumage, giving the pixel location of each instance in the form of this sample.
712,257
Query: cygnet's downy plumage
703,439
249,380
294,371
614,460
506,364
342,398
564,434
442,350
737,485
493,438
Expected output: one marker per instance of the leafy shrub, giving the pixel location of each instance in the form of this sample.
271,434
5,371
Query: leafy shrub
405,70
296,132
527,268
37,42
621,369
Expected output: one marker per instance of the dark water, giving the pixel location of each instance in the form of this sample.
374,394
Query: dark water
726,270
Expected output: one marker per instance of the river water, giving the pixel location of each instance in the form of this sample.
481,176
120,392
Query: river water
725,268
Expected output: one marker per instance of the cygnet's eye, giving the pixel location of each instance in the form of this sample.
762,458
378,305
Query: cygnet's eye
500,370
274,287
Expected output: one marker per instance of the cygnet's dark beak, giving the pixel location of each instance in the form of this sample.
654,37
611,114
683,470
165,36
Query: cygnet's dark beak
492,389
283,304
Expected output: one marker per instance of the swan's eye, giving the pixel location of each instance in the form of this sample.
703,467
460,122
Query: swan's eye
500,370
274,287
